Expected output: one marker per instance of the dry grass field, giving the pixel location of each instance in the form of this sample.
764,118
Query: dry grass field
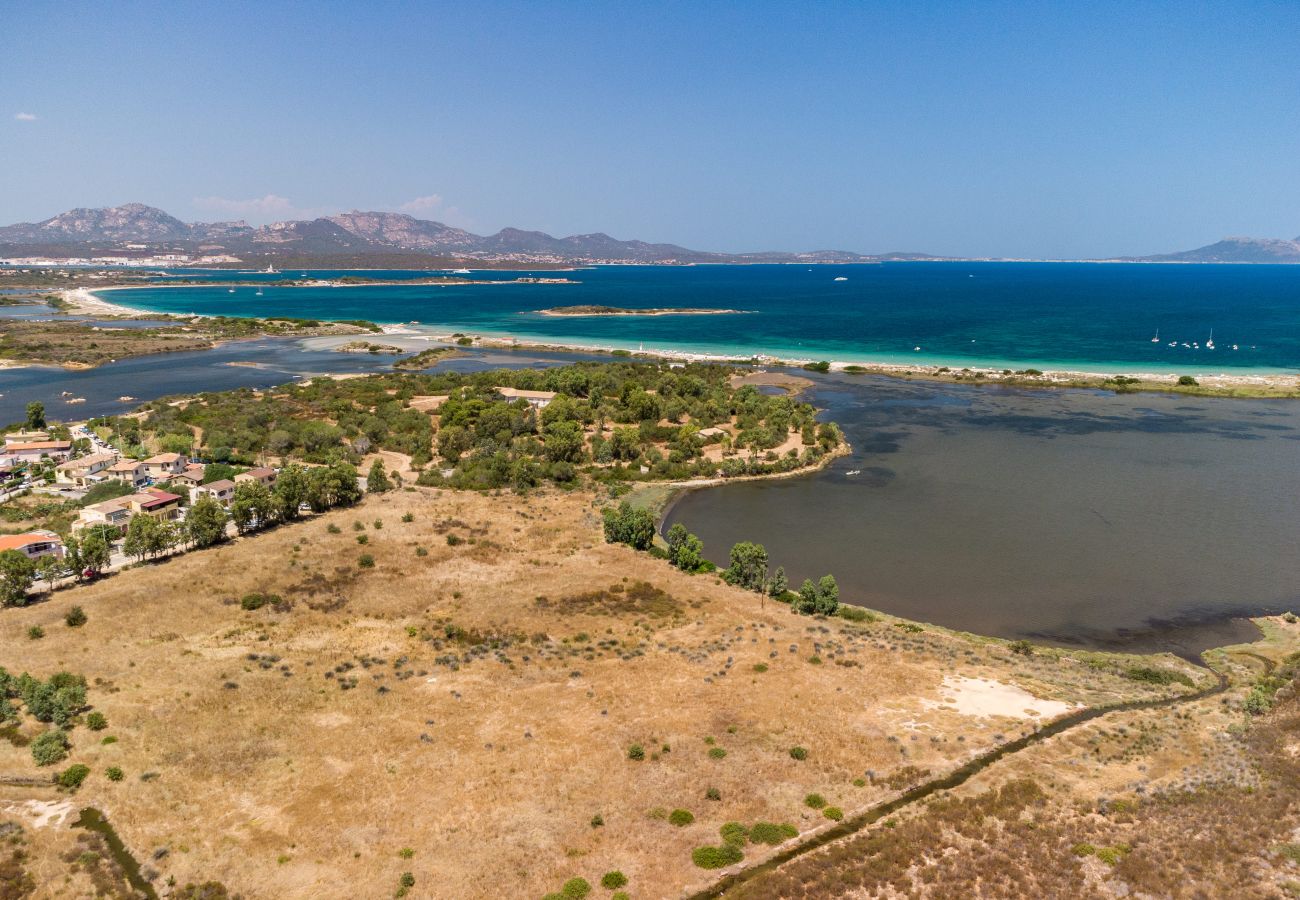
465,710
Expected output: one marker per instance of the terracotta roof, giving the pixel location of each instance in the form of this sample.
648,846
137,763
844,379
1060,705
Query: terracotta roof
164,458
151,498
19,541
40,445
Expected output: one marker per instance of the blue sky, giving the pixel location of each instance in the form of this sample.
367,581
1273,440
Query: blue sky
1044,130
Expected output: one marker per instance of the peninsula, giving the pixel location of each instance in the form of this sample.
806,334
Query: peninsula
594,310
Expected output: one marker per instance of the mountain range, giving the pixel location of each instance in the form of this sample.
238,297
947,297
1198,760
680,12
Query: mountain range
1236,250
355,234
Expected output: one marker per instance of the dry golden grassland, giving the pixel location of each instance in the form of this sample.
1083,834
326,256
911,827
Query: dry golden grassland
473,697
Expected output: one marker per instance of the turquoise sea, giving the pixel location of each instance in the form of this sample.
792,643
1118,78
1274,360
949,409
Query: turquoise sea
1083,316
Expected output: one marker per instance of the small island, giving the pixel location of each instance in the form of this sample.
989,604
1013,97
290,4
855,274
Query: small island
589,310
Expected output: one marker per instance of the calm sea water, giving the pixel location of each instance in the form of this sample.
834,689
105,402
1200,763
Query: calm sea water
1137,521
1057,315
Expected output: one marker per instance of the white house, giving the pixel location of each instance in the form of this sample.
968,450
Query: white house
34,451
536,399
223,491
165,465
33,544
84,470
262,475
130,471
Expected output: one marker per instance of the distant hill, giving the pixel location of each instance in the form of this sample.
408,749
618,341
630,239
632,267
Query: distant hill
1235,250
356,234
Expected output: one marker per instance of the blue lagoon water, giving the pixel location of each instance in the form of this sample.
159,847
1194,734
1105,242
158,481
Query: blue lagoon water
1083,316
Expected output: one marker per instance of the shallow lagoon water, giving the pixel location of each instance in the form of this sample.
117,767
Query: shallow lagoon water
1079,517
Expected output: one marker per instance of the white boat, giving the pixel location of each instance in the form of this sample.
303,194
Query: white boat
259,293
1209,345
1187,345
916,348
1173,343
1156,339
841,278
1234,347
1195,346
270,269
853,472
230,291
460,271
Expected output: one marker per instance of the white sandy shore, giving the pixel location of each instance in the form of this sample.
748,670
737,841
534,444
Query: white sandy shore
85,301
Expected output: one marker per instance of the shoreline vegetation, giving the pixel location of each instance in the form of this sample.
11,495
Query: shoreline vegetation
1228,385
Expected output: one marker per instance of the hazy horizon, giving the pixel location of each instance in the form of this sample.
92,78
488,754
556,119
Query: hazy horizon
997,130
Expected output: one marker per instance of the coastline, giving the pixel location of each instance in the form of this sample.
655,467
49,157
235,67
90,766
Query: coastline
1253,384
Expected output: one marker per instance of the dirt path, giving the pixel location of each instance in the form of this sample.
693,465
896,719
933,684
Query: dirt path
853,824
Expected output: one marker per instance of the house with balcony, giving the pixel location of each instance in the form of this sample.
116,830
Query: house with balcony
538,400
191,476
34,544
165,466
223,491
262,475
128,471
35,451
84,470
118,512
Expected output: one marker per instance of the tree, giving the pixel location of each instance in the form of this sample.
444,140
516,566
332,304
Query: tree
35,415
206,522
142,536
377,480
16,575
685,550
748,568
822,598
290,491
252,506
218,472
629,525
49,568
780,583
564,441
95,552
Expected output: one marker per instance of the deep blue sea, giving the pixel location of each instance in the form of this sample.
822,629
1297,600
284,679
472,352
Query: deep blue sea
1094,317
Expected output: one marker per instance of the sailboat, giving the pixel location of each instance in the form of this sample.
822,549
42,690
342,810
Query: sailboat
259,292
230,290
1156,339
270,269
1209,345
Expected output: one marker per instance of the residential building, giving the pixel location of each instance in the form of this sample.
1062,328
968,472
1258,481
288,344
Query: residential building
262,475
35,451
223,491
25,437
130,471
33,544
191,476
165,465
84,470
118,512
536,399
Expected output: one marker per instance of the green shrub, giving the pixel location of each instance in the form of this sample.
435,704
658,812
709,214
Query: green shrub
613,880
833,812
798,753
760,668
814,801
1083,849
734,833
76,617
821,366
406,853
363,539
366,561
50,747
35,633
1112,855
772,834
597,821
1153,675
420,551
333,529
716,857
72,777
713,794
575,889
113,773
454,540
96,721
717,753
1187,381
681,817
408,517
636,751
854,614
1022,648
257,599
620,895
